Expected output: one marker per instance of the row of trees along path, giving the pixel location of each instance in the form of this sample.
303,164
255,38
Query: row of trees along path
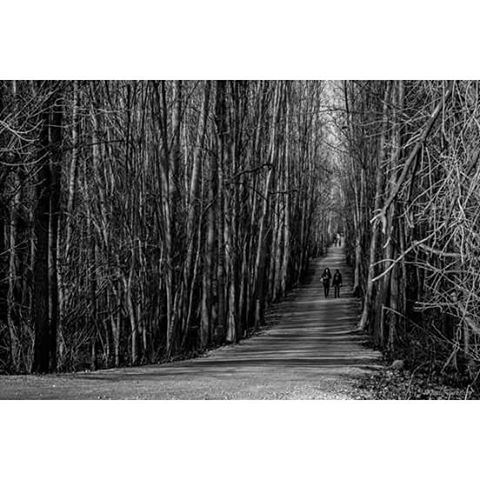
312,351
142,221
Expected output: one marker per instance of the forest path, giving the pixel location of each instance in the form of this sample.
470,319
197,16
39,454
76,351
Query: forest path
313,352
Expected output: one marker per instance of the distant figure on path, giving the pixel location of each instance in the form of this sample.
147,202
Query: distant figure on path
339,240
326,277
337,283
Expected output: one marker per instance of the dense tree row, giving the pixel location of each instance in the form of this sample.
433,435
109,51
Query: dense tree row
411,178
141,221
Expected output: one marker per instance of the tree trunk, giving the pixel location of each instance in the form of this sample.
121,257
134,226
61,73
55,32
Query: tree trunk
259,279
41,361
367,306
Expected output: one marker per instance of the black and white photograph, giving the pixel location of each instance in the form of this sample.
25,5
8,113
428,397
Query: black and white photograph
216,230
240,239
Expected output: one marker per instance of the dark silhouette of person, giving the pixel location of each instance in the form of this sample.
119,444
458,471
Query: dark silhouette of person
326,278
337,283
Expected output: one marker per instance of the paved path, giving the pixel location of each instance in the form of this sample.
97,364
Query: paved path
312,352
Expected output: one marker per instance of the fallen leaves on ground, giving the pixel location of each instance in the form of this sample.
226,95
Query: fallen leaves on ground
405,385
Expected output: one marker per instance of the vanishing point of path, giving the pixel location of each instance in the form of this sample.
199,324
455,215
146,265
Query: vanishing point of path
313,352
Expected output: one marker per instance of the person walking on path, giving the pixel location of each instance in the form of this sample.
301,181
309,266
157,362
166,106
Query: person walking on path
326,278
337,283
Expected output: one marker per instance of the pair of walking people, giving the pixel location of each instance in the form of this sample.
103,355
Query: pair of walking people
336,282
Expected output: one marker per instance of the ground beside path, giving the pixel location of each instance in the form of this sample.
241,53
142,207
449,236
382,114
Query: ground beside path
313,352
